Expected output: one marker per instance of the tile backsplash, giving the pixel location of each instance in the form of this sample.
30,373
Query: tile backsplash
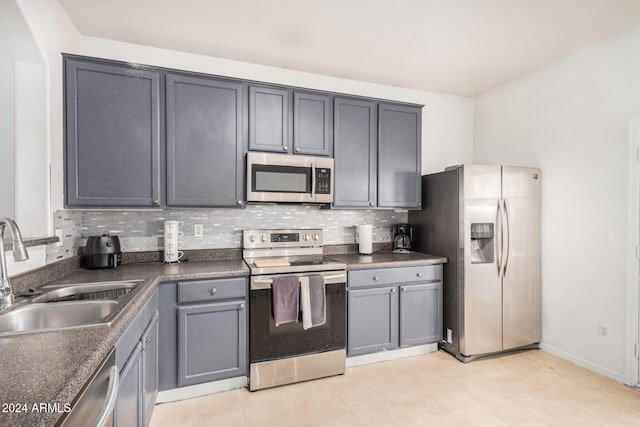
142,230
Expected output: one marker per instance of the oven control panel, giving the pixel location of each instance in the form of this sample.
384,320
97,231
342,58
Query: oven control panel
301,238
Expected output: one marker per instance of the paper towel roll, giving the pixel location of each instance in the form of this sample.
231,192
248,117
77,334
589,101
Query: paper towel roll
365,239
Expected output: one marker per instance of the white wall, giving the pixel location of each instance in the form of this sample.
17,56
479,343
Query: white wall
570,119
7,107
53,33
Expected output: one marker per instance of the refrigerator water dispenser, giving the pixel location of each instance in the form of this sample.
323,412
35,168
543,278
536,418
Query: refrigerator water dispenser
482,243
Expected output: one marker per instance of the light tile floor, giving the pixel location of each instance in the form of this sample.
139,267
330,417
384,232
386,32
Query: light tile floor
530,388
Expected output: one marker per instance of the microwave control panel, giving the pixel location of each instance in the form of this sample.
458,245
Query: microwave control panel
323,181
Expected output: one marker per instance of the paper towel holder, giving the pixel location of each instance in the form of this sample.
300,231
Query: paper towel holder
364,237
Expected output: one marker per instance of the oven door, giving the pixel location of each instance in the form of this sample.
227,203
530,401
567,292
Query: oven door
270,342
283,178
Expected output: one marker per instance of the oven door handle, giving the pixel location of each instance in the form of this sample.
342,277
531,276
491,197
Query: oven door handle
266,283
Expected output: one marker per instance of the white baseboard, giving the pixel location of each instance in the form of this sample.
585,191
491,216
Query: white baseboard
201,389
382,356
616,376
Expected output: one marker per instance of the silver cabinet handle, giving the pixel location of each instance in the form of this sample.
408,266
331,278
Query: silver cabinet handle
155,202
241,306
285,148
110,401
419,274
393,290
213,291
297,150
404,289
376,278
239,202
370,203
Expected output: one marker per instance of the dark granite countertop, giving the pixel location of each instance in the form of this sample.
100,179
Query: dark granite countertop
387,259
52,367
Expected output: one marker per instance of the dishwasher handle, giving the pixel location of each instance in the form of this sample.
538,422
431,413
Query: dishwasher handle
110,400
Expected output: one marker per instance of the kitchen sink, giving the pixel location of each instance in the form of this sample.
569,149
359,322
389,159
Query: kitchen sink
33,317
85,292
76,305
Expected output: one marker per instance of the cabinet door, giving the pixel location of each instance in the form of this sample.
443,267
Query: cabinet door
112,146
212,342
399,161
168,337
149,369
420,313
205,142
312,124
373,320
355,155
128,408
268,119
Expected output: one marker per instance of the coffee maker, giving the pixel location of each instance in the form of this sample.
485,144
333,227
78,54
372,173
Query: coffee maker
402,235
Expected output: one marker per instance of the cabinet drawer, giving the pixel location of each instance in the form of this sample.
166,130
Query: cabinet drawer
387,276
210,290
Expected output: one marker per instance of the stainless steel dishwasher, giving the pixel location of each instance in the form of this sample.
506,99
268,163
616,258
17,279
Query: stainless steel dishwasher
94,407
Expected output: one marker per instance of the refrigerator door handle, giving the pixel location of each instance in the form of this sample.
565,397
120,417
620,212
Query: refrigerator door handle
506,253
499,238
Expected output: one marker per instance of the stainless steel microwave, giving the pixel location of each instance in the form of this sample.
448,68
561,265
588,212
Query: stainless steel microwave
289,178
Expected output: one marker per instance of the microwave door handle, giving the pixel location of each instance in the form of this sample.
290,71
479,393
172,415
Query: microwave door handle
313,181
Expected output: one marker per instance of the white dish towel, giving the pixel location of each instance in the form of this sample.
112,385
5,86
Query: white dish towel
312,302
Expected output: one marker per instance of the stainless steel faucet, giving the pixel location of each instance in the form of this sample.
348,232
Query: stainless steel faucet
19,254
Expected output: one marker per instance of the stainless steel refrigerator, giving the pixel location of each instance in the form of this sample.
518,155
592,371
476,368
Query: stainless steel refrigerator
486,220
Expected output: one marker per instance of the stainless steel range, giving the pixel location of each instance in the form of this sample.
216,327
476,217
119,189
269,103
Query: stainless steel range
288,353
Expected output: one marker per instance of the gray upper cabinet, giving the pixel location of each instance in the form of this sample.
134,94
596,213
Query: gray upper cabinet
399,156
269,119
113,133
205,142
312,124
355,144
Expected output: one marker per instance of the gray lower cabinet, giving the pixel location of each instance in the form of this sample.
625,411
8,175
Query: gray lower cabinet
399,156
355,152
205,142
420,313
149,370
373,320
137,359
211,342
269,119
393,307
203,331
113,119
128,409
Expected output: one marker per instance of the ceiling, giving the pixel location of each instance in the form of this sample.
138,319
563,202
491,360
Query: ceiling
460,47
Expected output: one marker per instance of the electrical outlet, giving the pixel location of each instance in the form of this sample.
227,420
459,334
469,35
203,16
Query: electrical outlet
198,230
603,331
60,237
